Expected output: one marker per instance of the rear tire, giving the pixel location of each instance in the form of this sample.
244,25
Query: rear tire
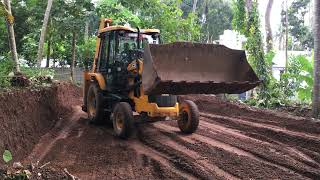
95,106
123,120
189,117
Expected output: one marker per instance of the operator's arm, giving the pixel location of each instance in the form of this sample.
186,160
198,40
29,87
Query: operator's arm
5,12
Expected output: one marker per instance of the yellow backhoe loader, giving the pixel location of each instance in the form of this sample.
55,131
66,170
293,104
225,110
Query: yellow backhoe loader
133,71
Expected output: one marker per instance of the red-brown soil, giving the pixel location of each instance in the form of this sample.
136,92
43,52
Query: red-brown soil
27,114
233,141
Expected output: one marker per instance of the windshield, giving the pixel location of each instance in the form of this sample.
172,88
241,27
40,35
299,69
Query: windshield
128,41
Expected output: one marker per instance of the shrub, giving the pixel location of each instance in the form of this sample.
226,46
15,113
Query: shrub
6,67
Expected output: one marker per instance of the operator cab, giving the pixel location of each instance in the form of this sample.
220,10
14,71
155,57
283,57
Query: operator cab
120,46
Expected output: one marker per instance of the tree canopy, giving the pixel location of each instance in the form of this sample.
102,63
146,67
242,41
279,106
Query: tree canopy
72,28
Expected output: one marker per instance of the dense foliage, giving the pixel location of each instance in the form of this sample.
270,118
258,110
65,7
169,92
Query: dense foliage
299,29
297,81
301,34
247,22
69,17
215,16
175,18
178,20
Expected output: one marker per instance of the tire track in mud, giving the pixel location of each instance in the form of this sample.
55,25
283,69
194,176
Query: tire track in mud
197,137
222,148
186,152
144,163
314,155
92,152
261,125
294,123
218,130
302,153
234,151
238,165
213,105
301,163
270,135
60,131
272,155
273,148
158,162
180,160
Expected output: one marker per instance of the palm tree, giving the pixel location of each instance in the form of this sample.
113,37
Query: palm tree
316,84
43,32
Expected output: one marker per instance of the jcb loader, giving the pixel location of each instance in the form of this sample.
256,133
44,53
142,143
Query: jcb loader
133,71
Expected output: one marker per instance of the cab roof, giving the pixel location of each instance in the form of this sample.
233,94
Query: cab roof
126,28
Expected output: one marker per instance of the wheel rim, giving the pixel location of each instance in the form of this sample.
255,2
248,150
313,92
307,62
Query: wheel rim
119,121
184,117
92,105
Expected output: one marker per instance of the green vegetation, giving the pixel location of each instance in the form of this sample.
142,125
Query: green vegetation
296,83
249,25
37,76
294,87
70,38
18,175
302,36
166,16
300,77
7,156
6,67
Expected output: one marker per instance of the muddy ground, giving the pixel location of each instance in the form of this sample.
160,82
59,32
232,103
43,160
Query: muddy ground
27,114
233,141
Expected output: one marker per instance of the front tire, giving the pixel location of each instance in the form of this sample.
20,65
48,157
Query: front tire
123,120
189,117
95,106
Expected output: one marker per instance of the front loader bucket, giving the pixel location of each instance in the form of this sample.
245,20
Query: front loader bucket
194,68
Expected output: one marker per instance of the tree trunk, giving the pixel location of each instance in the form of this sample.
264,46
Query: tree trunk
12,40
316,84
48,52
86,37
43,32
269,40
86,31
73,54
53,57
249,5
194,7
287,37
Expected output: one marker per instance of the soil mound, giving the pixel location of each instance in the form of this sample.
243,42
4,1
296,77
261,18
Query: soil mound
25,115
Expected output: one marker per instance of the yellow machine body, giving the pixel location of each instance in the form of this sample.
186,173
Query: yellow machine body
141,104
171,69
133,71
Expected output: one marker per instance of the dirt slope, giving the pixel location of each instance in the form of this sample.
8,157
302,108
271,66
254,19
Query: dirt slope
27,114
232,142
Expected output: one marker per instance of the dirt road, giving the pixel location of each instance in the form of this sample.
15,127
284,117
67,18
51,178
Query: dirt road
232,142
